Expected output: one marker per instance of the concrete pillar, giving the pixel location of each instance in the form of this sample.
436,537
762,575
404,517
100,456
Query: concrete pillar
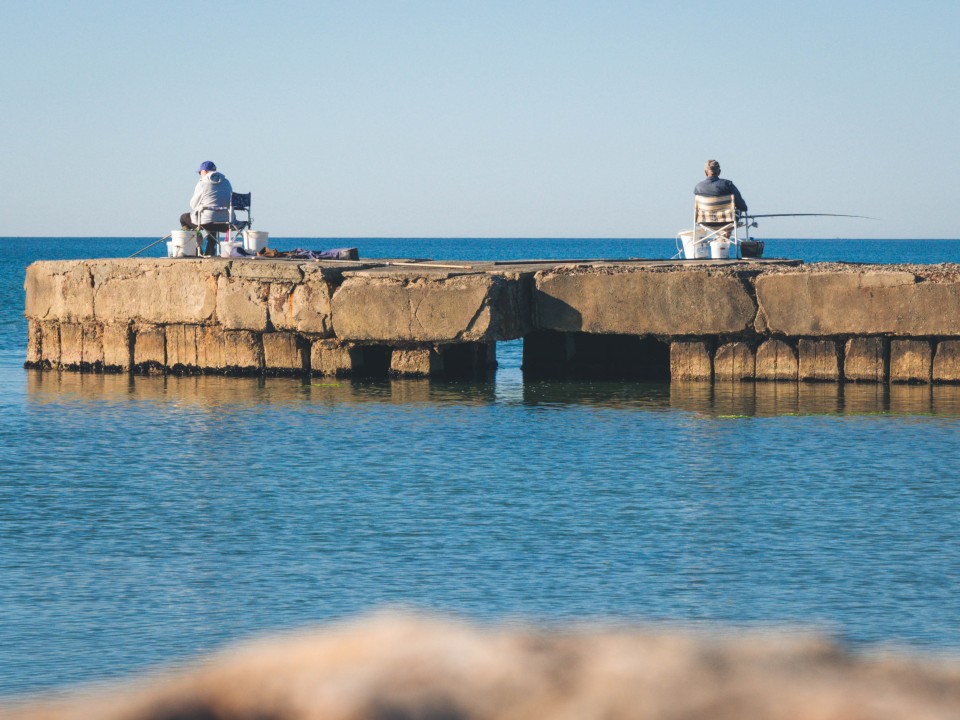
149,347
776,360
866,359
50,343
331,357
81,346
690,361
911,361
946,362
242,351
117,347
181,347
818,360
734,361
71,344
416,362
92,346
34,343
284,353
211,348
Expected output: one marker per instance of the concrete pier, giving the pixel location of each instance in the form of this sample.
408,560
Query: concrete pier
725,321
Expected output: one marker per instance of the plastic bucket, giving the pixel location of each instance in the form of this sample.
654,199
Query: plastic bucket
693,247
183,243
227,249
254,240
719,249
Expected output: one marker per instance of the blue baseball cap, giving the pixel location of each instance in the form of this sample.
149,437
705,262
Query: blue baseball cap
208,166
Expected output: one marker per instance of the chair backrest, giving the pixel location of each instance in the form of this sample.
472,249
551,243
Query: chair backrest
719,209
240,201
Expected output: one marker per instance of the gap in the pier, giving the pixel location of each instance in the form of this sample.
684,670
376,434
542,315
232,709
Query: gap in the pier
374,361
587,356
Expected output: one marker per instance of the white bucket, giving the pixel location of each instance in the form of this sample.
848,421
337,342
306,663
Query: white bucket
183,243
693,247
254,240
228,249
719,249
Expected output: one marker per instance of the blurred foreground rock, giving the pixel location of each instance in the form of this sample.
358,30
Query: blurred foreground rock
407,668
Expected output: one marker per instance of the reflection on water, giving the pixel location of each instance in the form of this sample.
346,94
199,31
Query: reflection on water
772,399
765,399
148,518
215,390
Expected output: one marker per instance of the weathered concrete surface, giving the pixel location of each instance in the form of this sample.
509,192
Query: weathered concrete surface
868,301
334,358
111,291
416,362
117,345
34,342
396,667
149,346
285,353
637,301
242,316
734,361
866,360
242,303
690,361
71,344
181,346
911,361
242,350
818,360
59,290
776,360
424,308
946,362
50,343
239,295
304,306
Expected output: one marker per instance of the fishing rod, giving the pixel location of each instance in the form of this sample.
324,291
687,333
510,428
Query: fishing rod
750,221
750,215
149,246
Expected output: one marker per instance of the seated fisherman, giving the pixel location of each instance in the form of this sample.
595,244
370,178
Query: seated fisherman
213,190
714,186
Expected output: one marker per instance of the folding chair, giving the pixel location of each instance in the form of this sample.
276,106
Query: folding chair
716,217
239,202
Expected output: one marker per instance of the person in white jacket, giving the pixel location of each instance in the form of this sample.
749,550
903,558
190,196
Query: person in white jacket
213,191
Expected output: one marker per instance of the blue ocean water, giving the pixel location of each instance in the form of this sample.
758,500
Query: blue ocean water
144,520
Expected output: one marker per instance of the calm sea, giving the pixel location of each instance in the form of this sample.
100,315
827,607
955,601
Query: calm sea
144,520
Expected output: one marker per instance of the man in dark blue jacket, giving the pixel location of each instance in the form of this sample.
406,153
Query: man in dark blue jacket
713,186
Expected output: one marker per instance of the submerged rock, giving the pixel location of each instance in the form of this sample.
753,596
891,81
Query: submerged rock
398,667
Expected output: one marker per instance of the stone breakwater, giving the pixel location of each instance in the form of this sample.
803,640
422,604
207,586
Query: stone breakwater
413,668
722,321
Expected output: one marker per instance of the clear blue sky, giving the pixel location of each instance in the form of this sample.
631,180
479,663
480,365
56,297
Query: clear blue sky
480,119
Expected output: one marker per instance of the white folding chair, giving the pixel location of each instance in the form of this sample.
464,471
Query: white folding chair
716,217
